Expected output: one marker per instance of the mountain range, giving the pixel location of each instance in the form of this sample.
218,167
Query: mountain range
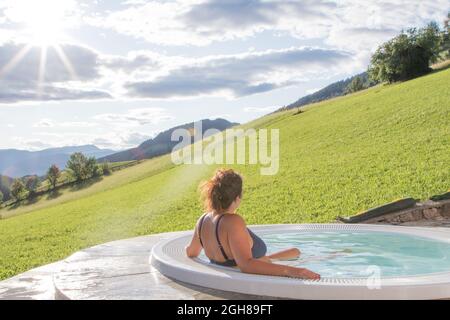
17,163
162,143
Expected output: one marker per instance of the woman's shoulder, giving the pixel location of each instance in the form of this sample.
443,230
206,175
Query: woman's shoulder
235,220
201,218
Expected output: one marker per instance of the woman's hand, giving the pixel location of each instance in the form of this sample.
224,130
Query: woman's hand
303,273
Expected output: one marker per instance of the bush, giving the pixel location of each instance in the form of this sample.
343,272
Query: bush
445,40
93,168
31,184
53,175
357,84
82,167
17,190
406,56
106,168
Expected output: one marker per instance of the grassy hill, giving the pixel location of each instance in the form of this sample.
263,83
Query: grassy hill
337,158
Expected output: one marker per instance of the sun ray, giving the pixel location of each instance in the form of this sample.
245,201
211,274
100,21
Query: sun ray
65,60
41,75
15,60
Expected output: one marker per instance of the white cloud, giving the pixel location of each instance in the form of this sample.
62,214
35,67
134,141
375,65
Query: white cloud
261,109
28,73
136,117
44,123
48,123
135,138
32,144
25,13
120,140
243,74
201,22
116,140
310,91
77,124
195,22
146,74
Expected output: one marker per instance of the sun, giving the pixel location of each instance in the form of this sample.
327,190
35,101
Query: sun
43,21
43,24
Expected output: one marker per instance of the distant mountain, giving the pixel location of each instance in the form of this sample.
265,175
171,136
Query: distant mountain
162,143
335,89
18,163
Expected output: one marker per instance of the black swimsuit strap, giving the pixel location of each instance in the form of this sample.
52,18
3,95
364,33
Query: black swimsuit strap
200,228
218,240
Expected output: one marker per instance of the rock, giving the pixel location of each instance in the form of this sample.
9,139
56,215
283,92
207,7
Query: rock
430,213
406,217
445,211
417,215
394,219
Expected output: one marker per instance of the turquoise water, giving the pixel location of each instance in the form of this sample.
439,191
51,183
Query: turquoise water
362,254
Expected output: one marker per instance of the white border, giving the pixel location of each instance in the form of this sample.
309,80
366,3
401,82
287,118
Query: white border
168,256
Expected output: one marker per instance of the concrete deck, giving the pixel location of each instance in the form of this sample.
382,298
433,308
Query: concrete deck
113,271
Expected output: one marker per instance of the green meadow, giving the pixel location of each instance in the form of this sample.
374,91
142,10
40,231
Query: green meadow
338,157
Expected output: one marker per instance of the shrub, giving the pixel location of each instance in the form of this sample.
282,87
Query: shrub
357,84
53,175
106,167
17,189
31,184
82,167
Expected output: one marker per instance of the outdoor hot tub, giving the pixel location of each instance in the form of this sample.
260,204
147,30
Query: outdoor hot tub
355,262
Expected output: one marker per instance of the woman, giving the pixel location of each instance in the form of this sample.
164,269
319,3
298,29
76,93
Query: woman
227,241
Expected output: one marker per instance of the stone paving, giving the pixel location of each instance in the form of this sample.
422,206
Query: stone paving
118,270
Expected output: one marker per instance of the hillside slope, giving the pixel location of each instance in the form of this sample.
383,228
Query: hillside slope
337,158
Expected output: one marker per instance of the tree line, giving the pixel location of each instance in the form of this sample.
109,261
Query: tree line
406,56
79,168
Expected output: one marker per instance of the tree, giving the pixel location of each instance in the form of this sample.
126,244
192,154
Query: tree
357,84
1,197
407,55
53,175
31,184
82,167
17,189
93,168
445,40
106,168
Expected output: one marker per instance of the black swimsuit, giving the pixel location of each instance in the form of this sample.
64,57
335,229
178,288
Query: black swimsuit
259,248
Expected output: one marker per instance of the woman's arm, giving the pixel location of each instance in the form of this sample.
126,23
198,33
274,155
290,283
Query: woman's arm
242,254
195,247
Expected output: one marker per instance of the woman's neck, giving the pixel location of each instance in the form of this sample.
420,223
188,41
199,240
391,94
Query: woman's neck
224,212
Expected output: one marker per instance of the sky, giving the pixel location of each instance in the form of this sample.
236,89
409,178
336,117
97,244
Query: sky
114,73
